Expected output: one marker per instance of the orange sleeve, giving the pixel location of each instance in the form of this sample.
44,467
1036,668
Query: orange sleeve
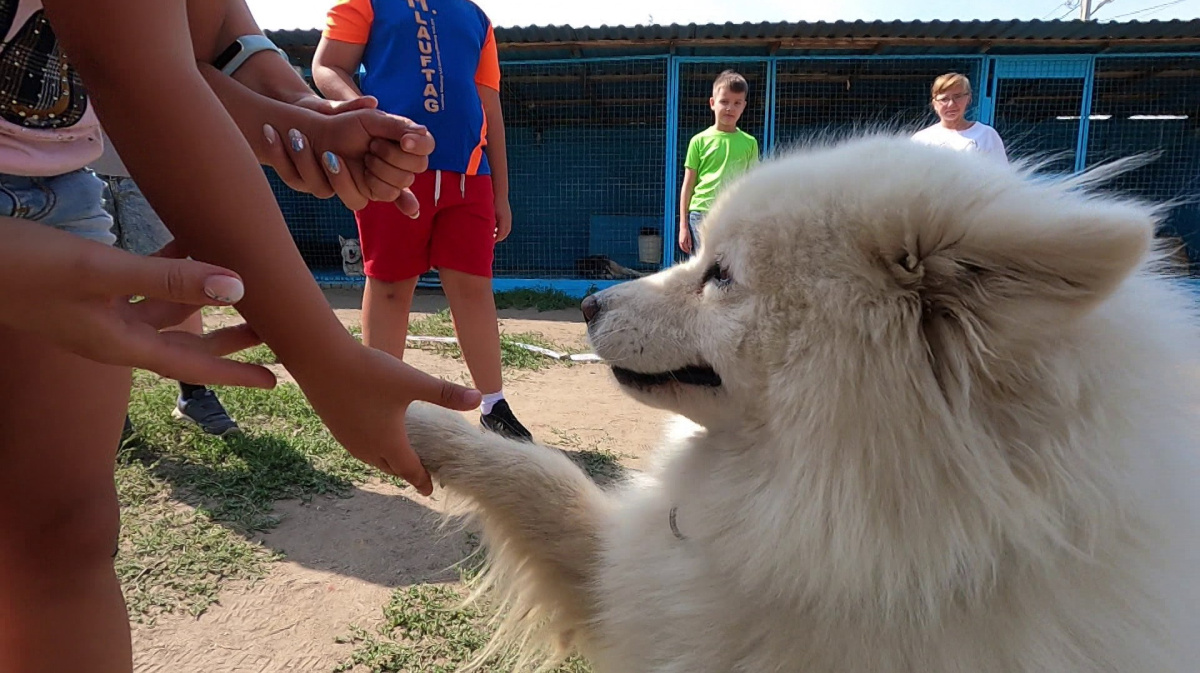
488,72
349,21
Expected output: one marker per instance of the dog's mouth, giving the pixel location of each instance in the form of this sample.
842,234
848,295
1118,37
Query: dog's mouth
692,375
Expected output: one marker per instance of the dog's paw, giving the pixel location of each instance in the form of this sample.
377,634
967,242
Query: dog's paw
437,434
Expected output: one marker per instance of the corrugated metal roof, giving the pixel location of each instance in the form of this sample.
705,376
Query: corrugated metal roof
983,31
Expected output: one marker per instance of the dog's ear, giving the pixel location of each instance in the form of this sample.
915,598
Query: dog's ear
1029,253
341,240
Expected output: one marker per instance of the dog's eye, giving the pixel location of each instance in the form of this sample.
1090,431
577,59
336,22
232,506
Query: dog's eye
717,274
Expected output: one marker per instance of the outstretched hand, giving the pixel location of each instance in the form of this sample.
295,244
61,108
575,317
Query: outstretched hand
76,294
365,409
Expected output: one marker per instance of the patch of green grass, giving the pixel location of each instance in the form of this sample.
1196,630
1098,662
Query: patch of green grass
189,500
257,355
602,464
542,300
286,452
425,629
438,324
217,310
512,356
173,558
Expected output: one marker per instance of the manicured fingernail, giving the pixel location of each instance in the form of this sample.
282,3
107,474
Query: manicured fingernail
270,134
332,163
225,289
297,140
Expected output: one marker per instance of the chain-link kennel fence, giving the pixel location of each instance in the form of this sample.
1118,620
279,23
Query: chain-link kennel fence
1152,105
596,145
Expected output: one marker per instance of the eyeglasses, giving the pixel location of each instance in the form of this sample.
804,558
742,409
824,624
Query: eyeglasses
943,99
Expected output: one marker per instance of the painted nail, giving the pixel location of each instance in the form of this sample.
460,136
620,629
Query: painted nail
270,134
225,289
332,163
297,140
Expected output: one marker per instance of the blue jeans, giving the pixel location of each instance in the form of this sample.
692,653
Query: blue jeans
138,228
71,202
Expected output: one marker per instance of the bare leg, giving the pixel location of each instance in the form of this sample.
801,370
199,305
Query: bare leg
385,314
61,607
473,307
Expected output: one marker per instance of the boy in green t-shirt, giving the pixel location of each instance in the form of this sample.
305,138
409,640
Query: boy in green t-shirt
715,155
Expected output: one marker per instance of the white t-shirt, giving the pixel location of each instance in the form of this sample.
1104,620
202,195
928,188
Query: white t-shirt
975,138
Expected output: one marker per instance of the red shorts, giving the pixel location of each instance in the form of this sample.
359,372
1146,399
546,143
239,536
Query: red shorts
455,230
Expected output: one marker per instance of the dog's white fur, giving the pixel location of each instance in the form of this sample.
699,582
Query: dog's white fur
956,433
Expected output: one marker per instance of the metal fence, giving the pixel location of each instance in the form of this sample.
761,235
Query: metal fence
596,146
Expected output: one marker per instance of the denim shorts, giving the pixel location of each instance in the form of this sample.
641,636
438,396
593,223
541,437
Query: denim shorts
72,202
695,217
137,227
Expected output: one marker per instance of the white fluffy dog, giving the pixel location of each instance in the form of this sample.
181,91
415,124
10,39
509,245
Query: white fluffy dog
947,423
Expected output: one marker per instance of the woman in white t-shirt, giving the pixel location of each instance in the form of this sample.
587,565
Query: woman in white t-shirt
951,95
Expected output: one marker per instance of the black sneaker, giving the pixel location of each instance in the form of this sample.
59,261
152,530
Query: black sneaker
205,410
502,422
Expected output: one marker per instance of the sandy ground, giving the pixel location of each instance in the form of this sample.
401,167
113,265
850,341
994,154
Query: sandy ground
343,557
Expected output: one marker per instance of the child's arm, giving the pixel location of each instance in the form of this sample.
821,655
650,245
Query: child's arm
685,198
202,178
333,63
497,159
487,82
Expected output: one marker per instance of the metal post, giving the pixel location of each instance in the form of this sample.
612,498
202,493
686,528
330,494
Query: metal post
769,98
1087,10
1085,116
670,149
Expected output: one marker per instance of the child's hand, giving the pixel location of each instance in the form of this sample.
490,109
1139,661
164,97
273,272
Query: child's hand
503,219
362,400
685,238
75,293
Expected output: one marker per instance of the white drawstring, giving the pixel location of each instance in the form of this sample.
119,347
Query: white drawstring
437,186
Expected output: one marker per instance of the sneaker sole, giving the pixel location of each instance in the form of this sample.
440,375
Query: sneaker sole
180,416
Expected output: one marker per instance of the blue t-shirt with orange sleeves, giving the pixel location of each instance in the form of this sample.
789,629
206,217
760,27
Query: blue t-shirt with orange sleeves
423,60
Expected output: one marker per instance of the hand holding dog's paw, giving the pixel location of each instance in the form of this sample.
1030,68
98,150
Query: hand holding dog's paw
437,434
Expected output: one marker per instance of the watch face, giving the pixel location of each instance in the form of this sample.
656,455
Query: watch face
39,89
226,56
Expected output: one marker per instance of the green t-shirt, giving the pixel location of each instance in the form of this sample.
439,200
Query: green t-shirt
717,156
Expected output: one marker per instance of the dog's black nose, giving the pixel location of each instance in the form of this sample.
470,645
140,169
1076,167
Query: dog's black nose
590,307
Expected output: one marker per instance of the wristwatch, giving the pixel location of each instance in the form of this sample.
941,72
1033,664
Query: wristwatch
243,48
